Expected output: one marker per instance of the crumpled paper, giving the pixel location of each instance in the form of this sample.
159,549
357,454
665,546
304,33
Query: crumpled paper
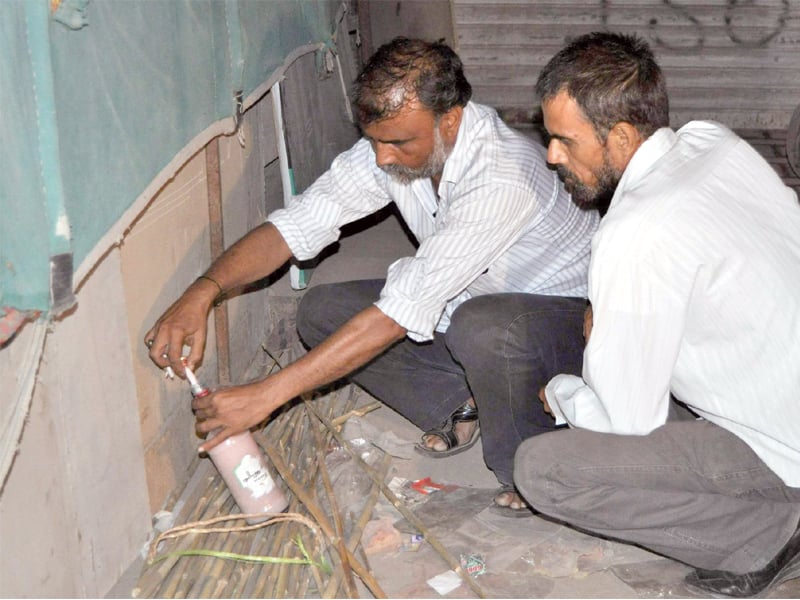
446,582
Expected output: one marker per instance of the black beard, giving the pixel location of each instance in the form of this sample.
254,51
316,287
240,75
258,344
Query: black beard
591,197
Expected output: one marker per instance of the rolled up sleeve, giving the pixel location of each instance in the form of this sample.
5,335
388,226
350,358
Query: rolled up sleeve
352,188
471,234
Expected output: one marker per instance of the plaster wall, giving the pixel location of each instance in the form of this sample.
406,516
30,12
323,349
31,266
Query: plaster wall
74,507
165,249
108,440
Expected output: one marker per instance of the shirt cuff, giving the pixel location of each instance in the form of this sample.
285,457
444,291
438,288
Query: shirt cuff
417,323
559,393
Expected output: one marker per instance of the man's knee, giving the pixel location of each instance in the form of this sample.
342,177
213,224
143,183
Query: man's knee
325,308
473,327
311,315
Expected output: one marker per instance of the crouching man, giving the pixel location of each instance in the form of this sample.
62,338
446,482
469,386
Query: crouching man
695,288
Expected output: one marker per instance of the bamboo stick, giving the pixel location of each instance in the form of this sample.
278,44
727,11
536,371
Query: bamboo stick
317,576
410,516
216,499
295,447
194,572
173,577
218,568
270,571
232,532
253,570
366,514
278,576
322,520
287,580
156,577
338,541
356,412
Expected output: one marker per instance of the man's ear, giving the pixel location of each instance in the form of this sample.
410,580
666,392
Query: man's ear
622,142
449,123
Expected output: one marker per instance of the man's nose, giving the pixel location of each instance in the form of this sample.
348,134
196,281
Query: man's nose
555,154
384,155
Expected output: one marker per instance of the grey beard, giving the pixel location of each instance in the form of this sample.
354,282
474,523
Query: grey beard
433,166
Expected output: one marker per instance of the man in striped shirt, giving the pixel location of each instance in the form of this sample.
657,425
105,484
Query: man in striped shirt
488,308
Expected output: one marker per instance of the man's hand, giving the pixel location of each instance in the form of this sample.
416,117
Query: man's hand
587,323
543,399
354,344
232,410
259,253
185,323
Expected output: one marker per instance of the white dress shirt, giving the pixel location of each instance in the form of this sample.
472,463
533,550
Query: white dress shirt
695,287
501,222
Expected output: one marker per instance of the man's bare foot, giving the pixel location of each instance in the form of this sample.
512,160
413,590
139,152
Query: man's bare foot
455,435
463,431
509,503
510,499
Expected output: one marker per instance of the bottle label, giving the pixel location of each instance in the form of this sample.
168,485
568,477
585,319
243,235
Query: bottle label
253,476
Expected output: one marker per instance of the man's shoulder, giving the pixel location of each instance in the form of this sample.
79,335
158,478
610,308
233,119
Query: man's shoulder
485,120
489,140
703,136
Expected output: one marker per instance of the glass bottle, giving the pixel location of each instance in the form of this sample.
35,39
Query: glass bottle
241,462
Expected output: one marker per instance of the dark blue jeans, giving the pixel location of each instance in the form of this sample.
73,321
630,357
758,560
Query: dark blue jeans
500,349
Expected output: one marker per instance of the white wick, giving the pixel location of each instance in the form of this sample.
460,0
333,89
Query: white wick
190,375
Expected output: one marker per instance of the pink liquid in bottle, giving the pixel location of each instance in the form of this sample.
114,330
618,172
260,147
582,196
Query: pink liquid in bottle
244,469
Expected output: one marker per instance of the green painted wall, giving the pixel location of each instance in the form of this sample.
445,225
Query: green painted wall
98,97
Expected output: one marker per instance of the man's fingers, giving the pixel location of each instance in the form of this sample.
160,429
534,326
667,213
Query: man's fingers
543,399
203,409
588,322
211,442
158,353
195,351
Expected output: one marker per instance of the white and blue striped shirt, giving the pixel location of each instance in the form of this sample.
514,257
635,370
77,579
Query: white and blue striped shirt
502,223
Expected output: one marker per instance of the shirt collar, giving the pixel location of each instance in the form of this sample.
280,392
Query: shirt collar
647,155
454,167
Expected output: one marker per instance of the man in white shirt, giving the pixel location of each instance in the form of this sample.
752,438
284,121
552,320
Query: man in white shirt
695,290
486,311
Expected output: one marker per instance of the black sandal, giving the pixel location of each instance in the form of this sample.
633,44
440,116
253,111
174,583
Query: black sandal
446,432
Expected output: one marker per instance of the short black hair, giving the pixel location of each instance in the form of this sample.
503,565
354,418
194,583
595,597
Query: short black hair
613,78
406,69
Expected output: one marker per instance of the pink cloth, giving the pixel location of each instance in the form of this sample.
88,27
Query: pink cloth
12,319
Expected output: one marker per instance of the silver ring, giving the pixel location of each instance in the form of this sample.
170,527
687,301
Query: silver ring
149,343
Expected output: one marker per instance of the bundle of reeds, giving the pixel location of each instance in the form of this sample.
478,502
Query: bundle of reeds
303,552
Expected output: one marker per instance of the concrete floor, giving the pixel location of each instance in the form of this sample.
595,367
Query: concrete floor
530,557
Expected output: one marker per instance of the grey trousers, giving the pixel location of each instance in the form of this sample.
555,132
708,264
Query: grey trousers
689,490
500,349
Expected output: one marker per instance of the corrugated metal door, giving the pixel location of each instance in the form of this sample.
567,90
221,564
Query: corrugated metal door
737,62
